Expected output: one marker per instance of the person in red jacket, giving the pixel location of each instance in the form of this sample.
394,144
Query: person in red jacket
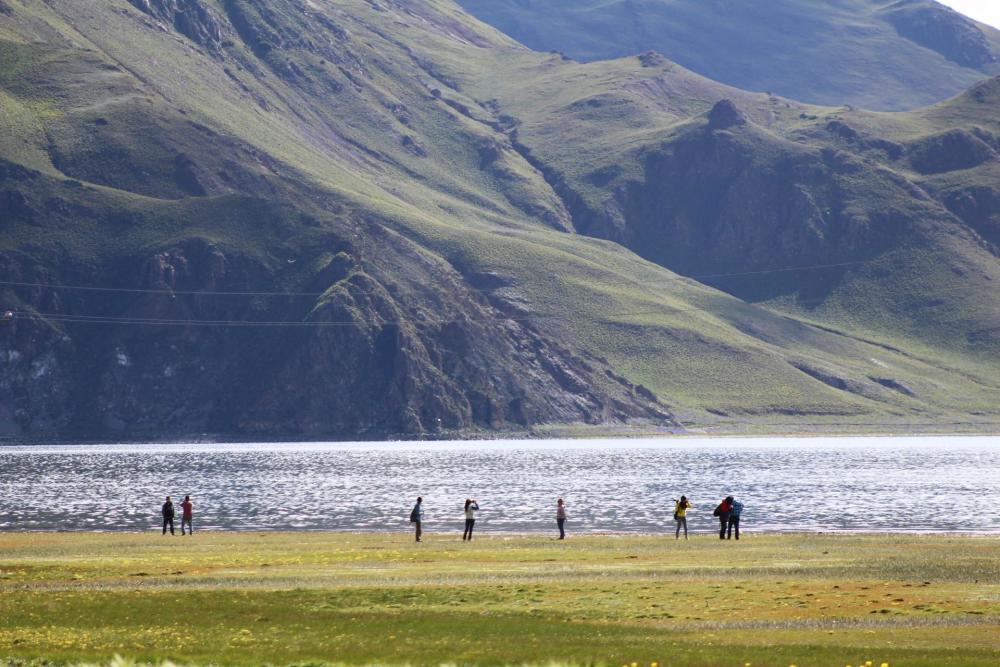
187,514
723,511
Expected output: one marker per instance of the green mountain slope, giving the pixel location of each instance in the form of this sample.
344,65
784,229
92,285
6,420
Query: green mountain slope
874,54
364,218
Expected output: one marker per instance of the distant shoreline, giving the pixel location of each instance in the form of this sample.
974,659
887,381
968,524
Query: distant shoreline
554,434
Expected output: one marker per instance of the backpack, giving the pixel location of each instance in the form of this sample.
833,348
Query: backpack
718,510
414,517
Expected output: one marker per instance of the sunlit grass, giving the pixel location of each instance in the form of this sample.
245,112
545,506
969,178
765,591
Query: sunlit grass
252,598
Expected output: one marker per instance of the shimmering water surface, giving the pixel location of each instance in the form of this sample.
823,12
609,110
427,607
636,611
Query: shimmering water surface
787,484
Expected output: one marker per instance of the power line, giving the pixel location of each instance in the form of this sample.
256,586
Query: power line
173,292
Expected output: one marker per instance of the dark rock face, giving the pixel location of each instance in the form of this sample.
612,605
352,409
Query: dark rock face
392,347
979,207
739,199
191,18
725,114
942,29
951,151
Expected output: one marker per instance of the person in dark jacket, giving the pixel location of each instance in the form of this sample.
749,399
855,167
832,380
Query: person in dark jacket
723,511
168,515
417,517
736,509
561,518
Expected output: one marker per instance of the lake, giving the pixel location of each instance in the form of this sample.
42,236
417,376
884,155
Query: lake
914,484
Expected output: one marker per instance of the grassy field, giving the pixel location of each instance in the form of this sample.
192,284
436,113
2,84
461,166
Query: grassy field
304,598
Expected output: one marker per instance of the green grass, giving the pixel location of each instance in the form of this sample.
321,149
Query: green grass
233,599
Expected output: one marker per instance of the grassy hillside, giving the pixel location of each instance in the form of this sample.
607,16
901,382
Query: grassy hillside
869,53
235,599
740,192
361,219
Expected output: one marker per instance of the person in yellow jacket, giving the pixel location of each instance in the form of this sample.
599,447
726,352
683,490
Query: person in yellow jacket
680,516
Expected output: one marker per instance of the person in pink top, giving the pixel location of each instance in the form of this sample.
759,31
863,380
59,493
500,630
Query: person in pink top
187,514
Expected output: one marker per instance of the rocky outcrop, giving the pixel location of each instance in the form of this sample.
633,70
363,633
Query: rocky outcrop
979,207
952,150
725,114
393,347
727,196
942,29
192,18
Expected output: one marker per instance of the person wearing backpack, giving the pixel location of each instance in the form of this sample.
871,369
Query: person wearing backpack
723,511
736,509
417,516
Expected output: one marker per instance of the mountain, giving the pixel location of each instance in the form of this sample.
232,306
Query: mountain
873,54
300,218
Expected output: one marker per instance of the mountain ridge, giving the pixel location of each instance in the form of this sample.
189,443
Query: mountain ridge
381,161
868,53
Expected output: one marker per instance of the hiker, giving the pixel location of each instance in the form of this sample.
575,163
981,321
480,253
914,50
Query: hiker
417,516
187,514
471,507
168,515
736,509
680,516
561,518
723,511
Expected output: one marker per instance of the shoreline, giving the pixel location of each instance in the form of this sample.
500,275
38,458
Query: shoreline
499,438
520,534
538,433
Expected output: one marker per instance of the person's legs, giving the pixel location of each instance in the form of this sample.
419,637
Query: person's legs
723,521
729,529
684,520
171,521
562,533
165,525
419,532
472,524
187,521
677,533
735,524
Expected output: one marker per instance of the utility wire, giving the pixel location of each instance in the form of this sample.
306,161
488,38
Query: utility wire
172,292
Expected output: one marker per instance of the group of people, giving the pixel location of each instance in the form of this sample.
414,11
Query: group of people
471,507
728,512
187,516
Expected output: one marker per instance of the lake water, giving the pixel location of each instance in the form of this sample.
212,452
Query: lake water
787,484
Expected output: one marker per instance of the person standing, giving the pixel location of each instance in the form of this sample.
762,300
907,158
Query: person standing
680,516
561,518
417,516
187,514
168,515
736,509
723,511
471,507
